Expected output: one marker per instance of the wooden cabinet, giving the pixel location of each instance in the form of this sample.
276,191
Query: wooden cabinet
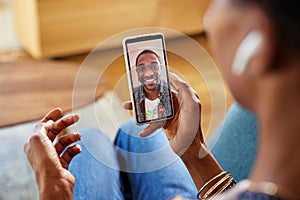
56,28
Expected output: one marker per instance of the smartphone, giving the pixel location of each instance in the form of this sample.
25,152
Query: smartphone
147,71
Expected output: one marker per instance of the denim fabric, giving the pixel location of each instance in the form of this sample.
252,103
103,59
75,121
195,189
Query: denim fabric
152,169
234,144
95,179
136,168
147,168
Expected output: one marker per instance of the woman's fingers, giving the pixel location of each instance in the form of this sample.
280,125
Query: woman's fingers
151,128
54,128
53,115
65,141
183,89
189,119
39,150
127,105
69,154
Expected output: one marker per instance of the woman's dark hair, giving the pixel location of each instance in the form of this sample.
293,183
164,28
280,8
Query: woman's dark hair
145,52
285,15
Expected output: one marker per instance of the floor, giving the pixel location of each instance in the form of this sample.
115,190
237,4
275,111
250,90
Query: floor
196,66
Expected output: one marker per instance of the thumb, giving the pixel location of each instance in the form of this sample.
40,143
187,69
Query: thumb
151,128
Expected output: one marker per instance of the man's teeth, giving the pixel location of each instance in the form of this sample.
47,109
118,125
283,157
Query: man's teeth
149,80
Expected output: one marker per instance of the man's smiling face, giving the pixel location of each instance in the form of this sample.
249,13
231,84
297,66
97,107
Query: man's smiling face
148,70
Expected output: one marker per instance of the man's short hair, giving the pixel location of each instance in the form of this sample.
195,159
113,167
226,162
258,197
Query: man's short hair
145,52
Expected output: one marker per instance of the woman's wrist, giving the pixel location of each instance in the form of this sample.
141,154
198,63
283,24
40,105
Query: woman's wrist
200,163
55,187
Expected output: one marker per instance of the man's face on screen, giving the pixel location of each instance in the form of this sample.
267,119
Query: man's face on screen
148,70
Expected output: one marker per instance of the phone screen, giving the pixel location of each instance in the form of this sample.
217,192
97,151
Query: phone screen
147,71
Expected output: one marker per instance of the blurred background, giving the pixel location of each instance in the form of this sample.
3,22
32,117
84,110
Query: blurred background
51,55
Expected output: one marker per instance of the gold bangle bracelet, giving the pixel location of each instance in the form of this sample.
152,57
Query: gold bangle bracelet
208,193
216,185
222,188
211,180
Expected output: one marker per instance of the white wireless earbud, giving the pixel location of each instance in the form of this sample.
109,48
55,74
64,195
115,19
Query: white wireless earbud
247,49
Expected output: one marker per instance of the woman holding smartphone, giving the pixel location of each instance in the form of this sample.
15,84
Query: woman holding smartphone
257,46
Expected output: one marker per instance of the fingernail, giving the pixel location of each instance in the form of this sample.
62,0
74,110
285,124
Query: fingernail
78,134
141,134
79,147
75,117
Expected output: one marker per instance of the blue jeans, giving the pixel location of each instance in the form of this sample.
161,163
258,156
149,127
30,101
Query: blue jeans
131,168
147,168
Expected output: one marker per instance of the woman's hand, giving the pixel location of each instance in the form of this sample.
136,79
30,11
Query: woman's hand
184,128
49,161
185,134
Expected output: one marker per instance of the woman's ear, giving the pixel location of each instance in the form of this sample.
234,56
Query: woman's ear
255,54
